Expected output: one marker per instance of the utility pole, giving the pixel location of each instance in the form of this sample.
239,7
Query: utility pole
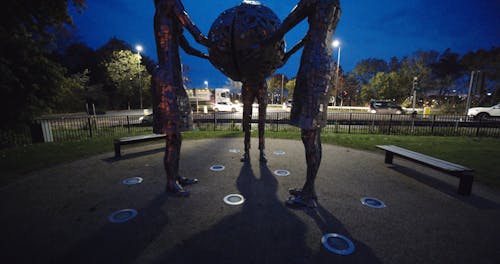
469,94
139,49
414,92
336,44
282,80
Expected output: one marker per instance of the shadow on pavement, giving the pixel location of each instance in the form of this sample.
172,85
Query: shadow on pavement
327,223
135,155
451,190
122,243
263,231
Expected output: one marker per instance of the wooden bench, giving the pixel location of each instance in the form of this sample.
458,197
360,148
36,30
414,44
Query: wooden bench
465,174
132,140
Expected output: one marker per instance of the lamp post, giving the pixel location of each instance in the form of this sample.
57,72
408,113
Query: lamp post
139,49
206,87
414,92
282,81
336,44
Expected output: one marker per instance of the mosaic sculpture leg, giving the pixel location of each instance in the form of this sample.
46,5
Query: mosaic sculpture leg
249,93
312,144
247,120
262,99
171,164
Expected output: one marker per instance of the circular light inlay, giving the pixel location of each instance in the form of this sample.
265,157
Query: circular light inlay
132,181
122,216
372,202
217,168
337,244
234,199
281,173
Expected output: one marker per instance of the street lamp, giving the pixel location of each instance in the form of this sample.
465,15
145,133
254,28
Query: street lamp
282,81
414,92
206,87
138,48
336,44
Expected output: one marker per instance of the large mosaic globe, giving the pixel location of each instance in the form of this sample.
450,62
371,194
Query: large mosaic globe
235,34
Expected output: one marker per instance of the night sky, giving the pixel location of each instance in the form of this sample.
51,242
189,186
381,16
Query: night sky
367,29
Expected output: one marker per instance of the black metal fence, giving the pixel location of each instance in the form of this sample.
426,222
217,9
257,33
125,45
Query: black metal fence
77,128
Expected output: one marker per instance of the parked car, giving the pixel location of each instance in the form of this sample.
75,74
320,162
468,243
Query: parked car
484,112
385,107
226,107
146,119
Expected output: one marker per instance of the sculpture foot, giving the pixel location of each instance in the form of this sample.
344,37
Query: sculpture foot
298,192
300,202
263,157
245,157
176,190
183,181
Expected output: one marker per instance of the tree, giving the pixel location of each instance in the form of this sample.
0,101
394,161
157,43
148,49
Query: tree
101,77
366,69
445,71
488,62
72,97
290,86
77,58
388,86
275,84
30,81
128,75
353,89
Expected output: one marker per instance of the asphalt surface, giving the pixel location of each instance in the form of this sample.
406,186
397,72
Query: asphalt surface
60,214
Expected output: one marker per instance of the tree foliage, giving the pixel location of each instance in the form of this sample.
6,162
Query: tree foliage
290,86
275,84
128,75
30,81
366,69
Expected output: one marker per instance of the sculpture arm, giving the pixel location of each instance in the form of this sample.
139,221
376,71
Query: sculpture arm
189,49
186,21
295,48
298,13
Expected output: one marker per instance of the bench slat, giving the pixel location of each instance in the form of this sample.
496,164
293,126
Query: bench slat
465,174
135,139
143,137
435,162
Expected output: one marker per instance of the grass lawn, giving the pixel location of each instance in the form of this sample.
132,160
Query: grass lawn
481,154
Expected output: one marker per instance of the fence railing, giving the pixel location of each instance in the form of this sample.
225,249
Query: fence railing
76,128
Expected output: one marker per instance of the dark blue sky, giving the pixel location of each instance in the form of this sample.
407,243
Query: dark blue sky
367,29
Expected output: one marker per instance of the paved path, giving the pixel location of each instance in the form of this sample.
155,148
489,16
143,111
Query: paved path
59,215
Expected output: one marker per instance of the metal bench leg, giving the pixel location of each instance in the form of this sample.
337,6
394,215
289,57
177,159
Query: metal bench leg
465,185
117,150
388,157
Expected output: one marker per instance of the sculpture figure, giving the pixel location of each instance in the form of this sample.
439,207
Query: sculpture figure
171,108
234,35
313,85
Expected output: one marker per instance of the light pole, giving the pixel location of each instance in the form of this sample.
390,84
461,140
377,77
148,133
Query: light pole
139,49
206,87
282,81
336,44
414,92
